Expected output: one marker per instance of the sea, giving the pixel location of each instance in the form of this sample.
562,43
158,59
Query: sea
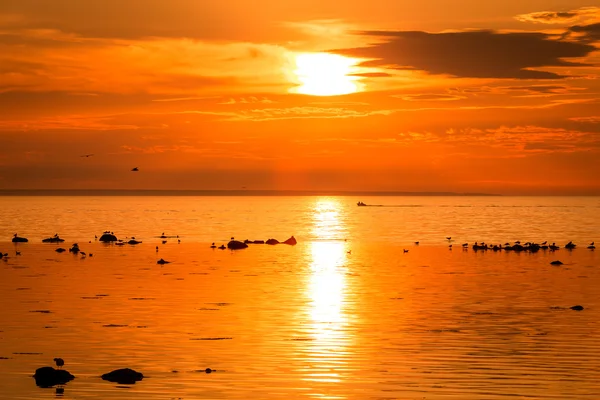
386,301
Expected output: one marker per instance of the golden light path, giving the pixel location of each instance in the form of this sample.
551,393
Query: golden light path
326,291
325,74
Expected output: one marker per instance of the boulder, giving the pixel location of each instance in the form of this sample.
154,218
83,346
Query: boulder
123,376
556,262
292,241
54,239
577,308
259,242
236,245
48,377
18,239
272,241
133,241
108,237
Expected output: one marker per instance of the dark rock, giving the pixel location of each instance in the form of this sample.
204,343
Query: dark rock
208,370
124,376
18,239
577,308
133,241
48,377
291,241
54,239
272,241
236,245
259,242
60,250
108,237
161,261
557,262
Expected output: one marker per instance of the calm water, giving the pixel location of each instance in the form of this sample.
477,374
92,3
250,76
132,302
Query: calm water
345,314
208,219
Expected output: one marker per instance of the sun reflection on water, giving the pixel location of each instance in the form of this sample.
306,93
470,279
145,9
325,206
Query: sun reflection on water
326,290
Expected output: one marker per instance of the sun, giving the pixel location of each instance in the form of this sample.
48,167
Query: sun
325,74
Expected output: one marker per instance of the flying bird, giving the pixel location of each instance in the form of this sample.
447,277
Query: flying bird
135,169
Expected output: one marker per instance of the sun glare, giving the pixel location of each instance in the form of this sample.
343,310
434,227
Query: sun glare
325,74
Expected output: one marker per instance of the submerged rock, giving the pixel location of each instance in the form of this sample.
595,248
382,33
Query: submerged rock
272,241
161,262
48,377
123,376
577,308
133,241
18,239
236,245
557,262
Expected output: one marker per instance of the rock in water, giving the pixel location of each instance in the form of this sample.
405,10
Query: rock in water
557,262
291,241
108,237
236,245
272,241
577,308
124,376
48,377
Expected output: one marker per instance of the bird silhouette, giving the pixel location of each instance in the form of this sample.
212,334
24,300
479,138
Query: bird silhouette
59,362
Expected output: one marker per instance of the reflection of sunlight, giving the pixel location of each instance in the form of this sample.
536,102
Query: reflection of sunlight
327,286
326,220
326,289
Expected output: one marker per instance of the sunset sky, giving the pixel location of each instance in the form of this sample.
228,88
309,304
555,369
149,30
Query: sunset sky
380,95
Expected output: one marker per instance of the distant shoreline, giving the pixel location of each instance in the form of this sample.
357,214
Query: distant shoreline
105,192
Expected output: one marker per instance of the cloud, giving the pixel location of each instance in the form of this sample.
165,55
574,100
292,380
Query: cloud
372,75
545,89
249,100
186,98
429,97
586,33
471,54
51,60
559,17
595,119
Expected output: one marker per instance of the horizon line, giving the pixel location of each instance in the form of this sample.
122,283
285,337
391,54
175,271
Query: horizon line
223,192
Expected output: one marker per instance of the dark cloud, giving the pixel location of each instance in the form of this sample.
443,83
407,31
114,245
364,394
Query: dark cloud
472,54
545,89
587,33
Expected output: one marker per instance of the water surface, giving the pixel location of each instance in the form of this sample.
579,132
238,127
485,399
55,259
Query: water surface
345,314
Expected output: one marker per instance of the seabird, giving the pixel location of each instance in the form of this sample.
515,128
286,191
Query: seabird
59,362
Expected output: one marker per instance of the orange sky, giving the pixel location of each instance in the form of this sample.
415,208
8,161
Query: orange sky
498,97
